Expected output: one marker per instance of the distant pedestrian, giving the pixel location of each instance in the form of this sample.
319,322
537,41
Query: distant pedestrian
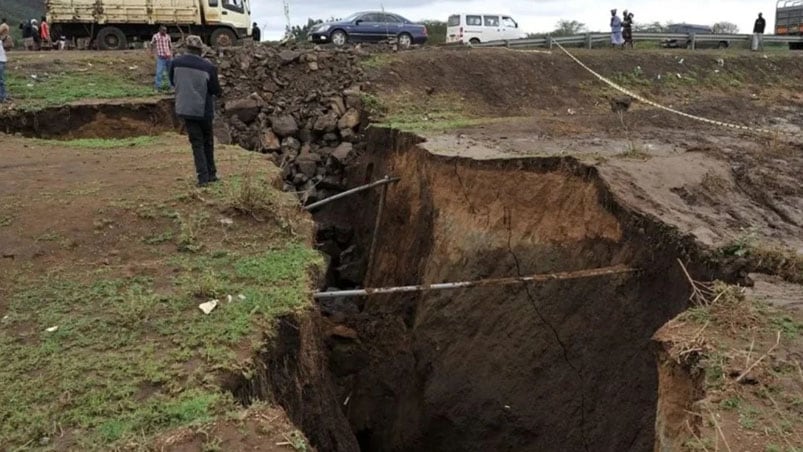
627,28
3,61
197,85
27,35
616,30
256,34
37,40
163,52
44,33
758,33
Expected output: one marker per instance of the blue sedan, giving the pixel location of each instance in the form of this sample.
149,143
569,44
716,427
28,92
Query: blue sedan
369,26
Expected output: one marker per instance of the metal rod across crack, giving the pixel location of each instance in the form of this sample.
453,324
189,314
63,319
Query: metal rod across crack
386,180
562,276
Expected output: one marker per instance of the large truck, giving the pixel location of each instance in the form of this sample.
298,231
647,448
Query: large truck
117,24
789,20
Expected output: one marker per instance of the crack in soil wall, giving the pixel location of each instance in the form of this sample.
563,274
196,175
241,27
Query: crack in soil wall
111,119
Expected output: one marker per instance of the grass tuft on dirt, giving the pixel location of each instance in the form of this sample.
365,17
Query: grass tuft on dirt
746,354
103,341
104,143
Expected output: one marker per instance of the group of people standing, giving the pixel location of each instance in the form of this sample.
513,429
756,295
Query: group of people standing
36,34
622,29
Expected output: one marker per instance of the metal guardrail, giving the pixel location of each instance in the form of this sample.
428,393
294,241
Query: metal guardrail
588,39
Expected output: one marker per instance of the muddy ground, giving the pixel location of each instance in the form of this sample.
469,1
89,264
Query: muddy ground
513,164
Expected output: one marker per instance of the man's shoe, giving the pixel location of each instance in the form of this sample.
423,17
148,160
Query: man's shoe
214,179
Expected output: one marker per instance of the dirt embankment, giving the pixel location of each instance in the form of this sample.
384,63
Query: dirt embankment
500,82
121,118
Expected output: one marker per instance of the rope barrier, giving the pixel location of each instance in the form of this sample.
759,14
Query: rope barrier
755,130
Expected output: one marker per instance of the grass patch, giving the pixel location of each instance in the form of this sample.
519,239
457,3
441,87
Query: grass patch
764,257
103,143
437,113
63,88
128,361
378,60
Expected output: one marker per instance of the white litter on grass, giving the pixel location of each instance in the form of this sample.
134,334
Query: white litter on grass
208,307
241,297
5,317
226,221
229,298
52,329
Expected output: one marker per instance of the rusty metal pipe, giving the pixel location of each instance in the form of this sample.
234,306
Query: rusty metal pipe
562,276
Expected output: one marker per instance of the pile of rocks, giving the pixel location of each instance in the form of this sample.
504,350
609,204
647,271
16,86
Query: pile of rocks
304,106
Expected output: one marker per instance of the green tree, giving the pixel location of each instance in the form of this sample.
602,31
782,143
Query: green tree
300,32
436,31
652,27
726,28
569,28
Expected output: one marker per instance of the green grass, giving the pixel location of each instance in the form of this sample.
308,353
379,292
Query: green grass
378,60
103,143
63,88
128,360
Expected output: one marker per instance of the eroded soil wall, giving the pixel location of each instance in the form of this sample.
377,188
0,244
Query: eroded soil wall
112,119
557,366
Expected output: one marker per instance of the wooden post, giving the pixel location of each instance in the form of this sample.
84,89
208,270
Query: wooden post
588,40
694,41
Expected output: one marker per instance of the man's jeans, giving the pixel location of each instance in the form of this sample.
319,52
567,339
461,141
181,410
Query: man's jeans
162,69
758,41
2,81
203,149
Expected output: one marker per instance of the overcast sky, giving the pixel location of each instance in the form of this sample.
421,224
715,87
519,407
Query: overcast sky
533,15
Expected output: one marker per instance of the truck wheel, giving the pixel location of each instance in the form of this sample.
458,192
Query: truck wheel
223,37
111,38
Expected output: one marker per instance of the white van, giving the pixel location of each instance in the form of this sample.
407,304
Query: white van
477,28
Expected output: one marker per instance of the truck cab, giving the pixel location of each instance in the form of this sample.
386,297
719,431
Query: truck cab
233,14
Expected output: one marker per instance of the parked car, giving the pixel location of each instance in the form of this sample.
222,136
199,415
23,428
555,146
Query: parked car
477,28
697,29
369,26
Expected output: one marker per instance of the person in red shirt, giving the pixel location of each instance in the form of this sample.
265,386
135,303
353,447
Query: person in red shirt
44,33
163,51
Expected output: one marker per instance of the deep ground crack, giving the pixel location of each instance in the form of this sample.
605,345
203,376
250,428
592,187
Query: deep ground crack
509,223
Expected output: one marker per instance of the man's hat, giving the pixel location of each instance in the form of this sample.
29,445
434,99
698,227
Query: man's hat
194,42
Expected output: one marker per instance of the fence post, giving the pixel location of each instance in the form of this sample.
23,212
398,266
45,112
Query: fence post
549,42
588,40
694,41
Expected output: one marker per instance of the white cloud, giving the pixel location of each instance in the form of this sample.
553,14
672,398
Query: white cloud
533,15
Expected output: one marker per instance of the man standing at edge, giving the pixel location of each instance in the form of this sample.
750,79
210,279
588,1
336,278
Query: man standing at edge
196,82
256,33
758,33
163,51
3,61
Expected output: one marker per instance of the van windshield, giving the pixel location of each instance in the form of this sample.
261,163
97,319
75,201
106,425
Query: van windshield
453,21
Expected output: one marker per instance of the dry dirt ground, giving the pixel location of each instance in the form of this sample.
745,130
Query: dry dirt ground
106,251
